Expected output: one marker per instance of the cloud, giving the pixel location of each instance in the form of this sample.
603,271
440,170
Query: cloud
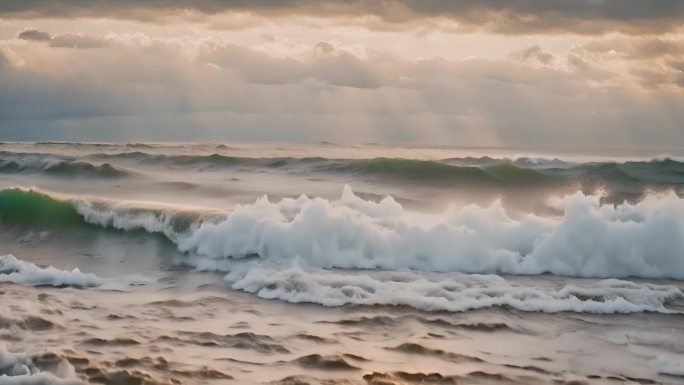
77,40
653,60
33,35
4,58
142,88
325,64
677,65
509,17
533,52
637,48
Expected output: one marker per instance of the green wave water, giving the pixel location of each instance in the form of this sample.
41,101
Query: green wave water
34,209
24,207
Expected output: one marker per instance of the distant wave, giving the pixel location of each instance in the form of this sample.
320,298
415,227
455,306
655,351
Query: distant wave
469,172
207,161
633,176
57,166
438,172
84,146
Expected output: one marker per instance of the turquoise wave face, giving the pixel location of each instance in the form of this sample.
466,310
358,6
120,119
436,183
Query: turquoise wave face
23,207
34,209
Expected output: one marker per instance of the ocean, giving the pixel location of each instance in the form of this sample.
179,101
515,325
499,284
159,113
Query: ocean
332,264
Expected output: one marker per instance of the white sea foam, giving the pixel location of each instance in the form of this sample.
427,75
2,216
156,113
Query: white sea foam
14,270
17,271
670,364
452,292
588,240
126,218
19,369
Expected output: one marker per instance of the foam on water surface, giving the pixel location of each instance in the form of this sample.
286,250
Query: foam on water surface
14,270
20,369
452,292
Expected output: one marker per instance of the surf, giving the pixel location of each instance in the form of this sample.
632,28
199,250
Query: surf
585,239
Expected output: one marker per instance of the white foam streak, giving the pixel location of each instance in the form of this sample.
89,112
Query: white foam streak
452,292
670,365
13,270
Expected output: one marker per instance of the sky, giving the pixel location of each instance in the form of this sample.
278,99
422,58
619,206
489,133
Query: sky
554,73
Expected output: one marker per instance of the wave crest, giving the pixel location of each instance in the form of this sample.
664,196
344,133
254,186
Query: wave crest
586,239
13,270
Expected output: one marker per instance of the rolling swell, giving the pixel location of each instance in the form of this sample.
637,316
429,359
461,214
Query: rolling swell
660,172
213,161
57,166
83,169
632,176
412,170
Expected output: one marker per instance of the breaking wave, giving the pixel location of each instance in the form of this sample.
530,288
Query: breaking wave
297,250
13,270
586,239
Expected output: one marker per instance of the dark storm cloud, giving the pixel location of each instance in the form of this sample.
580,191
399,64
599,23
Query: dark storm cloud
512,16
33,35
71,40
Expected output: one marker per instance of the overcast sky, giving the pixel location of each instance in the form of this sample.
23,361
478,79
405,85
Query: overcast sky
450,72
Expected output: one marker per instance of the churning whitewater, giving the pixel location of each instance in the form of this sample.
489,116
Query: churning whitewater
298,250
584,239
